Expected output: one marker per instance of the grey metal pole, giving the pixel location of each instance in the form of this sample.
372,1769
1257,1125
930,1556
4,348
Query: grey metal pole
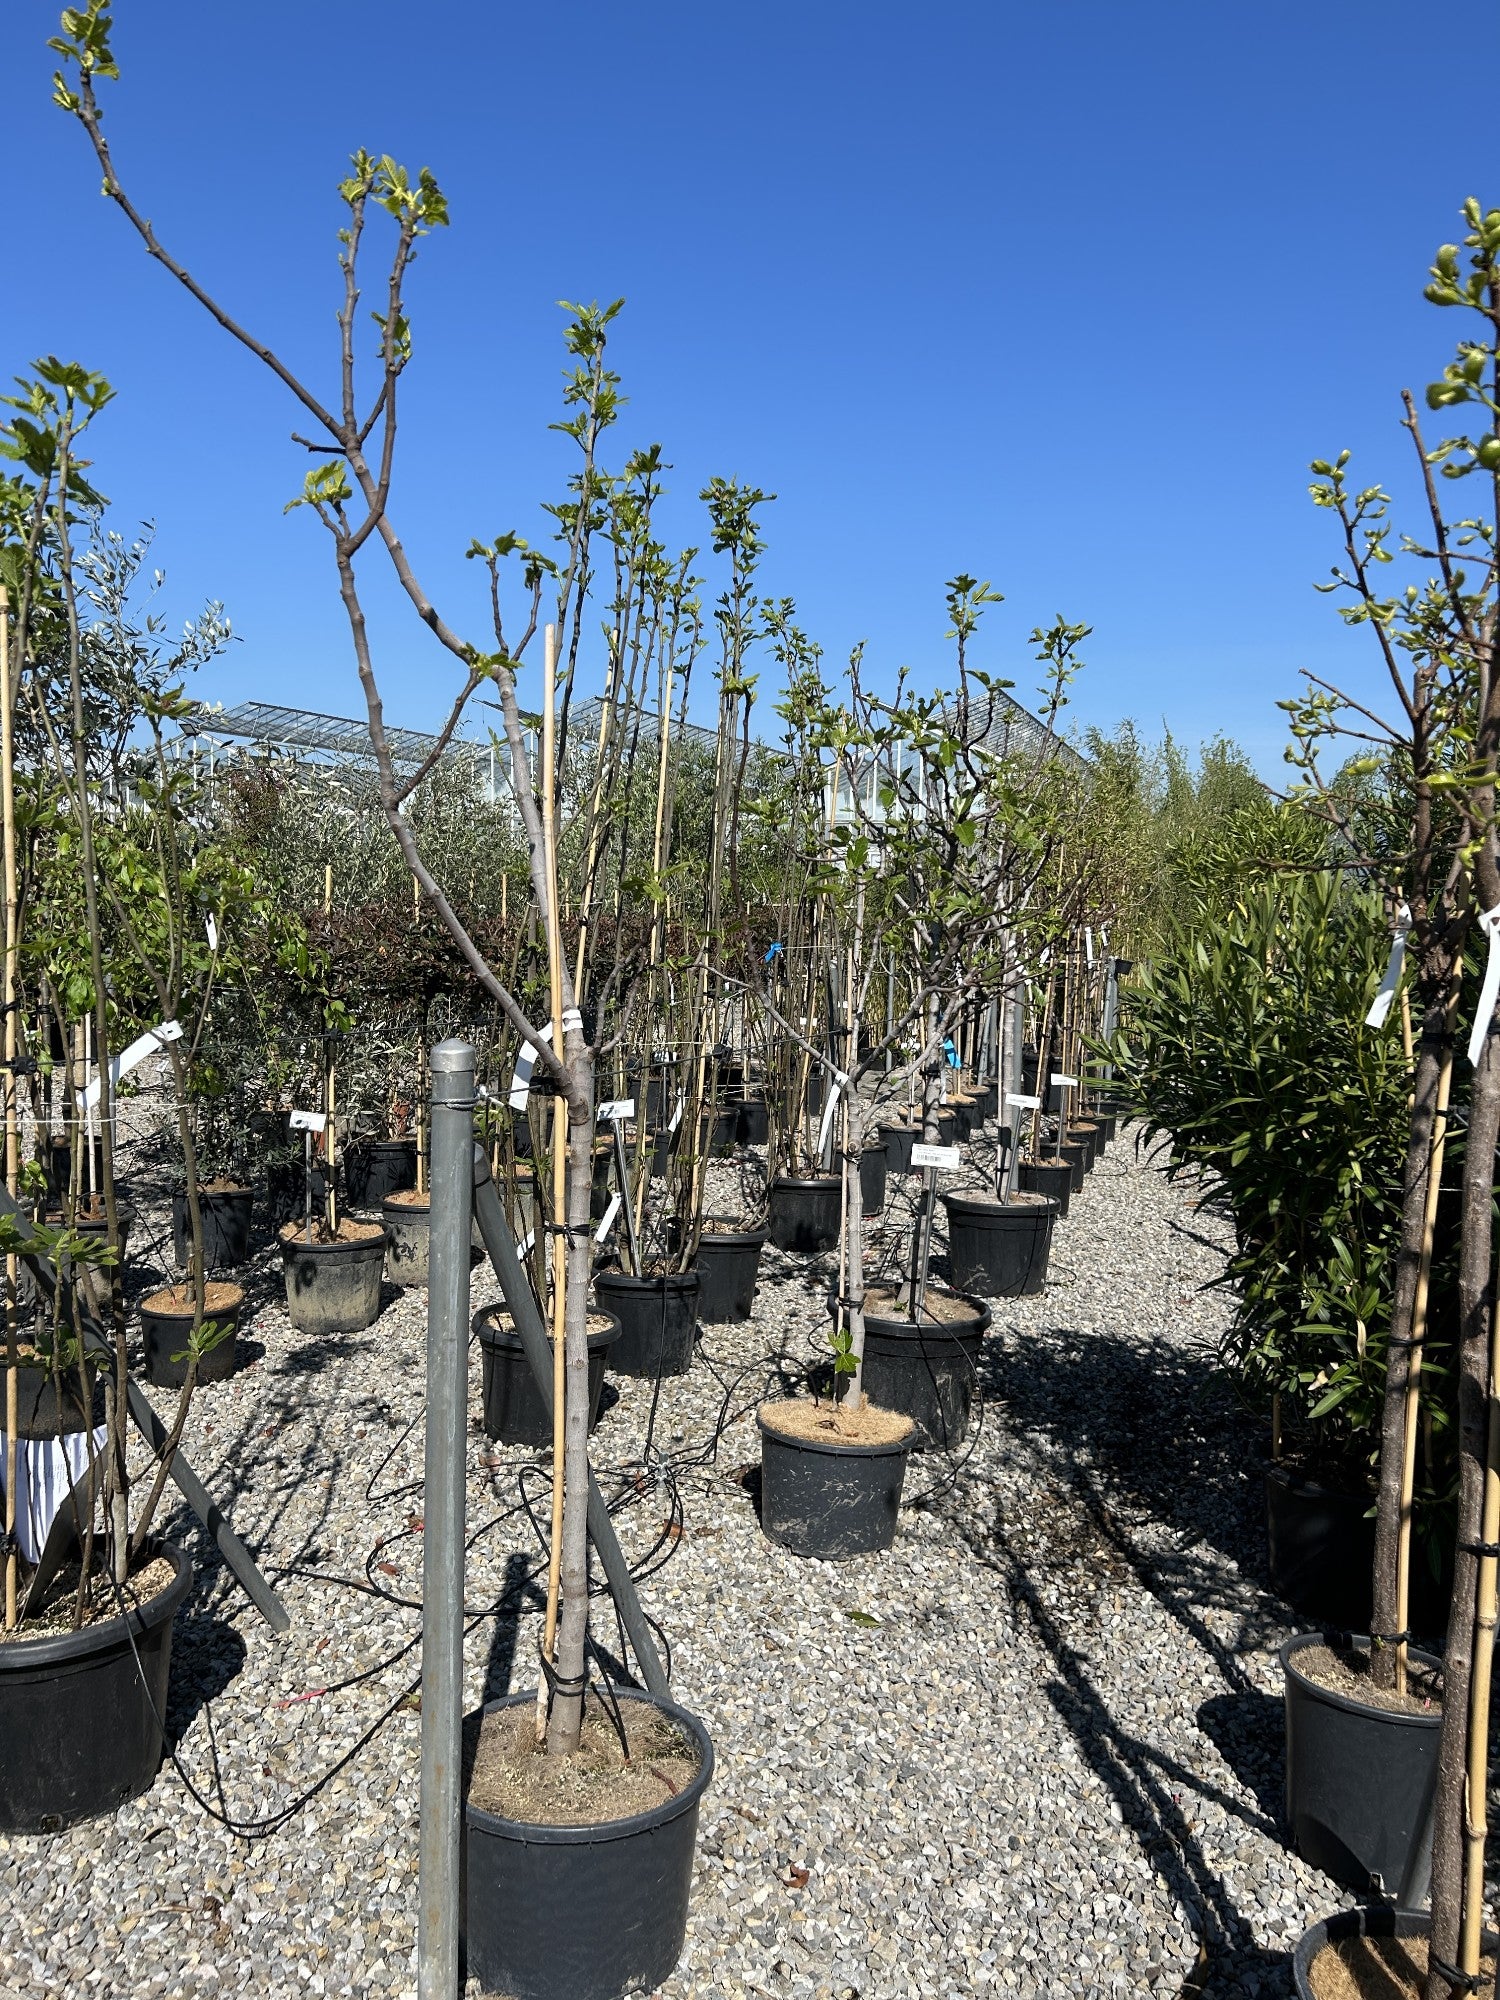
451,1185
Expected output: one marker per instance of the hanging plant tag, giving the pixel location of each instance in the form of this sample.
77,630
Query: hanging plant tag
1023,1103
150,1043
946,1159
617,1107
1061,1082
308,1121
607,1220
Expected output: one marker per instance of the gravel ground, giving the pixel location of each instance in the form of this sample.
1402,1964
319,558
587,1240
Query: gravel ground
1033,1749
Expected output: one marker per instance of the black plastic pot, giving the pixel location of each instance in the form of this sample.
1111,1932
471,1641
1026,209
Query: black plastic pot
1108,1124
999,1249
728,1265
899,1140
1359,1779
514,1412
48,1409
1372,1920
1322,1552
721,1129
332,1287
830,1500
225,1214
58,1165
804,1214
873,1166
406,1232
79,1720
583,1912
1092,1136
375,1168
1076,1153
754,1121
164,1334
1051,1177
926,1371
658,1321
1322,1546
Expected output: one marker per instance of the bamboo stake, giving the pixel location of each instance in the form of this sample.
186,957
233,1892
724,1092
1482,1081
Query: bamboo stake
559,1156
1476,1816
1419,1325
12,1135
330,1144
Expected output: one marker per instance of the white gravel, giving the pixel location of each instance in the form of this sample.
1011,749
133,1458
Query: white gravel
1036,1748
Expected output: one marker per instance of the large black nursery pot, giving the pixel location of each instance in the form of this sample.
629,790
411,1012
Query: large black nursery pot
1359,1778
374,1168
1076,1153
728,1265
514,1412
405,1217
899,1139
720,1130
333,1287
225,1215
926,1368
51,1408
967,1116
1050,1177
167,1323
999,1249
587,1912
1322,1552
804,1212
658,1321
754,1127
873,1166
80,1712
1371,1920
830,1499
1092,1136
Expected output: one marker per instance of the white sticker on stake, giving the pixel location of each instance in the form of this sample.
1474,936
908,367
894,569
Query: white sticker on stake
1489,923
520,1083
1385,993
308,1121
616,1108
1023,1103
946,1159
1061,1082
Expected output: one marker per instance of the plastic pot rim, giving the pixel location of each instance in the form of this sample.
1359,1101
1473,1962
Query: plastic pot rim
680,1281
1367,1710
1343,1924
62,1649
1045,1204
510,1342
186,1312
936,1331
593,1833
823,1183
900,1446
735,1239
298,1244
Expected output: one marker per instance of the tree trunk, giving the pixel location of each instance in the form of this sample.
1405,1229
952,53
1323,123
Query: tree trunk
566,1721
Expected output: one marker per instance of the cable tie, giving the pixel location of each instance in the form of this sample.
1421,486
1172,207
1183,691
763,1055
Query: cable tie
1390,1638
1462,1982
1481,1548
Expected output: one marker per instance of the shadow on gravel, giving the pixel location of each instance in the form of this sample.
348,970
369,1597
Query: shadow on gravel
1248,1729
1148,1789
207,1654
1156,1423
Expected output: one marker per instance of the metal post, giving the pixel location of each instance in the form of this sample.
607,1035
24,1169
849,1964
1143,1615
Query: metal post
443,1516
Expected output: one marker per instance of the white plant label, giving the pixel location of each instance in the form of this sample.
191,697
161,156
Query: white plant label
1385,993
132,1058
1023,1103
1489,923
829,1108
677,1115
212,931
946,1159
1088,939
1061,1082
607,1220
308,1121
523,1249
617,1108
520,1083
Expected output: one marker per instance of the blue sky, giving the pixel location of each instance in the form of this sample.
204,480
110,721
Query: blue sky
1063,294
